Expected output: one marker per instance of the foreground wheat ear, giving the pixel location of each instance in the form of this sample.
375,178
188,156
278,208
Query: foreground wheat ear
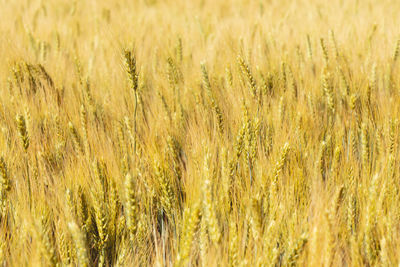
23,132
199,133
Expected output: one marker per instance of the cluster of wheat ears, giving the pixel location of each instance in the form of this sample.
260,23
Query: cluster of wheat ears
199,133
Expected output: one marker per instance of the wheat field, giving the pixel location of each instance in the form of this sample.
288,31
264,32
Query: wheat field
199,133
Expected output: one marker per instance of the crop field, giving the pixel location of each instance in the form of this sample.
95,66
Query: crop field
199,133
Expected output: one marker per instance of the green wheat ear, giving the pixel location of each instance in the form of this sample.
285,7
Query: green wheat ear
5,179
130,66
23,132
